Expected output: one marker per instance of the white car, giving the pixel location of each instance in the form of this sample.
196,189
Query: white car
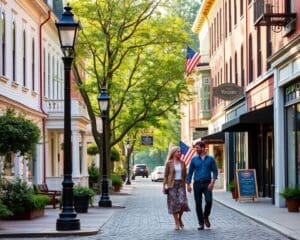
158,173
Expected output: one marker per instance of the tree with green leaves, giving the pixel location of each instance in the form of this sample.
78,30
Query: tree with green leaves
17,134
136,50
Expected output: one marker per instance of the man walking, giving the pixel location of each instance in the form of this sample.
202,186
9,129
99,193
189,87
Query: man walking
201,166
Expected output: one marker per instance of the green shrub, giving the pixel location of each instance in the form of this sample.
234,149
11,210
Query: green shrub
83,191
4,211
92,149
231,185
116,180
94,174
291,193
114,155
18,197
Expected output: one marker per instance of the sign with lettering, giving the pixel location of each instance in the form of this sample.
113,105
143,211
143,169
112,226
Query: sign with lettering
228,91
147,140
246,184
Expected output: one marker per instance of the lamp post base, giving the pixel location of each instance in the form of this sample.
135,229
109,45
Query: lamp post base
63,224
128,181
105,203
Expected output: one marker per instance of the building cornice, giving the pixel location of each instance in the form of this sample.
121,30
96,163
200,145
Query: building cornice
202,15
292,48
14,104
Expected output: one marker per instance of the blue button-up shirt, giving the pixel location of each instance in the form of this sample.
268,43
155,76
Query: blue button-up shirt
202,168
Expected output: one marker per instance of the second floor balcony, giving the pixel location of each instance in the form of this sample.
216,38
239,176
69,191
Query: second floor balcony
55,108
272,13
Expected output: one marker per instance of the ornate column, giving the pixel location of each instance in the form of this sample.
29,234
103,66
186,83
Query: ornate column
75,154
84,164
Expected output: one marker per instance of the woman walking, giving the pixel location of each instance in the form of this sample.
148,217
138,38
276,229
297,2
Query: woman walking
174,182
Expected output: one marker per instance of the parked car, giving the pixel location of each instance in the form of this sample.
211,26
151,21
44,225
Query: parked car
158,173
140,170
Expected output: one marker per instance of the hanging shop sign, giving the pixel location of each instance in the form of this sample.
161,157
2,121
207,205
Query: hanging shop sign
228,91
147,140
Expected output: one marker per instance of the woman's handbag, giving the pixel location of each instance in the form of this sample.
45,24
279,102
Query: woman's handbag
166,191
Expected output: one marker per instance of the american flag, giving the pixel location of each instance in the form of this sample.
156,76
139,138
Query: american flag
187,152
192,58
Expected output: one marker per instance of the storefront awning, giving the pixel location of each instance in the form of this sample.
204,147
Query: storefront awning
214,138
247,121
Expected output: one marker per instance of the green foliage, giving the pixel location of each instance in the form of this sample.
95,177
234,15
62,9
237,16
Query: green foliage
231,185
120,171
83,191
94,174
137,51
17,134
291,193
18,197
4,211
114,155
116,180
92,149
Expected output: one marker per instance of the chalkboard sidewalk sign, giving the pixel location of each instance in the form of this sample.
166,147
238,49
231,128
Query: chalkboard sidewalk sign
246,184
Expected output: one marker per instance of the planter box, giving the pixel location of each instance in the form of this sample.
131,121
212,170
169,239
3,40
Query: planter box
81,203
293,205
27,215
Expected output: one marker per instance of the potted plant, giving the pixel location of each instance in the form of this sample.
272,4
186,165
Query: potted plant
116,182
82,197
232,189
20,201
94,177
292,197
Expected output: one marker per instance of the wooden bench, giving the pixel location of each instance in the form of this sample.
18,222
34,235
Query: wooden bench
54,195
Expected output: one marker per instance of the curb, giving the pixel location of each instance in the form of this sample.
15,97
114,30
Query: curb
50,233
256,220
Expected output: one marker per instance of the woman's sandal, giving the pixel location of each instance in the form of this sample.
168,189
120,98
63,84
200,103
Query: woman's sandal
181,223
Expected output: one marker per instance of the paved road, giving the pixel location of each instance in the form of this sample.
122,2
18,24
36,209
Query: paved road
146,217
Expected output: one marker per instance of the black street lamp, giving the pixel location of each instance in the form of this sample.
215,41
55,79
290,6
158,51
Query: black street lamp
103,101
128,149
67,32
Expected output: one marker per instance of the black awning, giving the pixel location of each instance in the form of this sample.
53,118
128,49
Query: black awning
247,121
214,138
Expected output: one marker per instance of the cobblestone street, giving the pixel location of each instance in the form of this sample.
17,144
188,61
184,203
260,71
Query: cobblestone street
145,216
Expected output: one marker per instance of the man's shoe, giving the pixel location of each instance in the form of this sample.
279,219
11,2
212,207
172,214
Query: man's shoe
201,226
206,222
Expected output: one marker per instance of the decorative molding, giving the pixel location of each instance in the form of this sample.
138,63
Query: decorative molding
25,89
3,79
15,84
34,93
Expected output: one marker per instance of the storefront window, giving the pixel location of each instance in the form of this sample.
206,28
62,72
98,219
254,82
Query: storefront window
218,154
240,150
291,146
298,144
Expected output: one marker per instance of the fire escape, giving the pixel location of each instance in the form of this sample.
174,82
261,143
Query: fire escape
275,13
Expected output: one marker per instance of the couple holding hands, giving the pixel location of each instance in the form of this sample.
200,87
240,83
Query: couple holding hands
177,181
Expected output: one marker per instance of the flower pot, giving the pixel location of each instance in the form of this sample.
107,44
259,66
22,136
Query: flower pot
293,205
117,188
234,194
81,203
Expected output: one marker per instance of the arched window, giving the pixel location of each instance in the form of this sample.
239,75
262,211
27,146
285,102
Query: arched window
235,69
32,64
230,70
250,58
242,67
258,46
44,73
14,51
24,58
3,43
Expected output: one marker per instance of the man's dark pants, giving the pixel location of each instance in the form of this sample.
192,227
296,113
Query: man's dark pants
200,187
